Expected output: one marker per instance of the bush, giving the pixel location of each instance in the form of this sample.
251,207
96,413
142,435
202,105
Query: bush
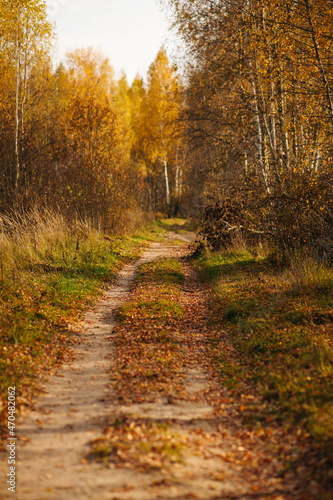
294,217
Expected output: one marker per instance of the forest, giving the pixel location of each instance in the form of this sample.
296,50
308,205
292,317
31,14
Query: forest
244,128
76,139
232,140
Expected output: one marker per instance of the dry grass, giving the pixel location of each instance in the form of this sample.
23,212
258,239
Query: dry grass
43,237
306,272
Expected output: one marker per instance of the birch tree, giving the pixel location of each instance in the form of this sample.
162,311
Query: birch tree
25,41
161,110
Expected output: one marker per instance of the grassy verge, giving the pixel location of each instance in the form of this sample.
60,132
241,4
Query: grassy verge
273,333
50,271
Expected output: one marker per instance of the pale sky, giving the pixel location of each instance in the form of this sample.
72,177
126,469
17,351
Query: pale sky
129,32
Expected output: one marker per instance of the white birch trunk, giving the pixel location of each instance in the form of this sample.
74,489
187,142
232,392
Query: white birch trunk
17,107
167,185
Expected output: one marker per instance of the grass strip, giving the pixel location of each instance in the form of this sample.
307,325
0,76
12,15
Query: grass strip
148,352
145,369
142,443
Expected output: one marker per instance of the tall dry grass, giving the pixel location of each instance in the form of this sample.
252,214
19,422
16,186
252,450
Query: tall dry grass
307,272
41,237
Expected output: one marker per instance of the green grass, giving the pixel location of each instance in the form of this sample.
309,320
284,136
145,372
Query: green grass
161,272
278,324
153,309
147,363
142,373
178,225
231,263
150,232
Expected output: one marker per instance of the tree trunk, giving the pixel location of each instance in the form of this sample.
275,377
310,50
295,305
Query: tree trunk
167,186
17,109
319,61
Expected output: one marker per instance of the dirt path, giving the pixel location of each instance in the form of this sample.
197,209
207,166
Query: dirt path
77,402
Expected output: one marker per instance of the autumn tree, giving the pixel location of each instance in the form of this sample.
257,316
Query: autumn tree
70,137
91,162
124,106
158,133
25,42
